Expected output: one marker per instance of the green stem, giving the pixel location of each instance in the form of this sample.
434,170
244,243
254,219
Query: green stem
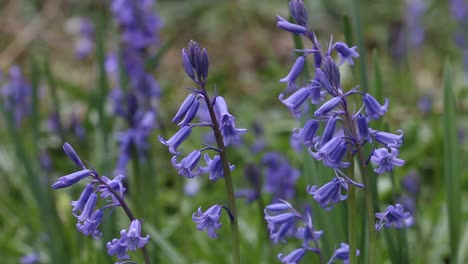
227,177
369,196
352,216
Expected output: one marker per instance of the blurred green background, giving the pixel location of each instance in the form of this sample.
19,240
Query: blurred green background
248,56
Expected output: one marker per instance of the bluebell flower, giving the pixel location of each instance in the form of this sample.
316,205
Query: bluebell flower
329,131
291,27
114,248
394,216
138,22
364,133
16,93
388,139
30,258
292,258
174,142
214,167
186,167
79,204
71,179
115,184
296,69
425,104
89,226
70,152
295,100
307,233
280,176
414,11
195,61
306,135
346,53
230,133
209,220
330,193
281,218
188,110
331,153
88,208
298,12
332,73
84,44
411,183
342,254
386,160
327,106
373,109
130,239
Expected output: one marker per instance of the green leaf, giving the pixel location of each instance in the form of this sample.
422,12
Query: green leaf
451,162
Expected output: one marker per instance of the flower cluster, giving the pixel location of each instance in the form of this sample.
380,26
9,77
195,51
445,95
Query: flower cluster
280,178
344,131
136,93
16,95
89,217
283,220
222,123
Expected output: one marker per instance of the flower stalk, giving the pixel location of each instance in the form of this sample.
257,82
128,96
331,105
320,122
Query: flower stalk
227,177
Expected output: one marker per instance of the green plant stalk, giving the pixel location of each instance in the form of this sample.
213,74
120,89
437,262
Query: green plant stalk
352,227
361,45
369,197
370,214
227,177
451,164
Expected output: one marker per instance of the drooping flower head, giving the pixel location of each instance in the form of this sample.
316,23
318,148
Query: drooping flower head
208,220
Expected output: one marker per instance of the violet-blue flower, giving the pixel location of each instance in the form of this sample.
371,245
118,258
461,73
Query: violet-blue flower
342,253
214,167
373,109
330,193
346,53
386,160
290,79
209,220
281,177
388,139
79,204
230,133
89,225
306,135
331,153
292,258
295,100
327,107
71,179
186,167
280,218
394,216
174,142
298,12
291,27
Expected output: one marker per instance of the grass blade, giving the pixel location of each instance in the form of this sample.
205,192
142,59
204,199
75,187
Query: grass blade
451,162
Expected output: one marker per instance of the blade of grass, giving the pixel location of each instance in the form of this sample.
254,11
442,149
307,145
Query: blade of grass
451,162
361,45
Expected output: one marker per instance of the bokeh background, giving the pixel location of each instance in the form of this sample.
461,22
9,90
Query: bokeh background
407,46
